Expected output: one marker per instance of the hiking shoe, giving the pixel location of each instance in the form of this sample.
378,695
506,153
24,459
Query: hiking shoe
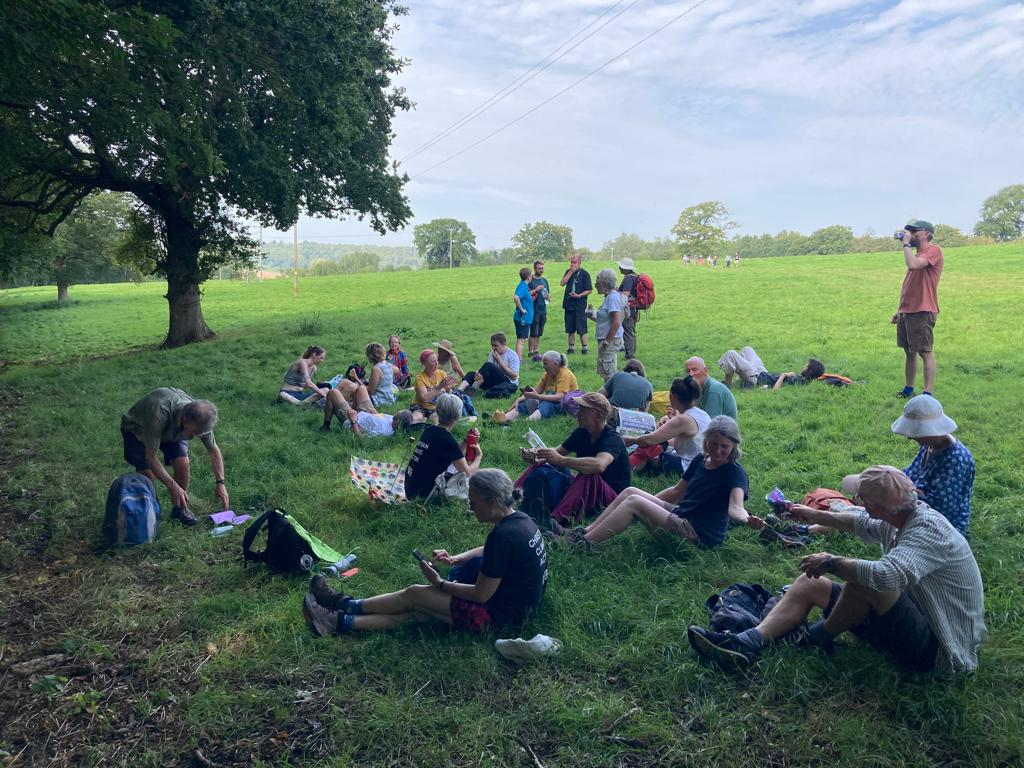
584,351
499,417
325,596
723,647
535,357
184,516
570,351
322,621
325,427
578,540
787,539
904,395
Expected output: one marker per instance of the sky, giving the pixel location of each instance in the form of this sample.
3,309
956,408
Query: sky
795,114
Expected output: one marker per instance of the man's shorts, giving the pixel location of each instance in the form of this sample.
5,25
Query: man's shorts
576,321
469,616
914,331
684,529
135,451
522,330
608,358
902,632
537,328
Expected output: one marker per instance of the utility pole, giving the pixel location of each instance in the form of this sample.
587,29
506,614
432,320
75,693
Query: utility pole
450,235
295,251
259,274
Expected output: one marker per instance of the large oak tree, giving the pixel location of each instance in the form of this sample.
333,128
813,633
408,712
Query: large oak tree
206,111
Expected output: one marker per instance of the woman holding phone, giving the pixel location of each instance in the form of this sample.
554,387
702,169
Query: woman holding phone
545,399
508,585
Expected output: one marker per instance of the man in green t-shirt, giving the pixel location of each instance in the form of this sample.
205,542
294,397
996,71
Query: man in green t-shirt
166,419
715,397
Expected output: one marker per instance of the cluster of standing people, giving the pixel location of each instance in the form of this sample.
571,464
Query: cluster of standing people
921,602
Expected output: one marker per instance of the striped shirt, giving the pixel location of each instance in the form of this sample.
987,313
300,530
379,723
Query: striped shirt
929,560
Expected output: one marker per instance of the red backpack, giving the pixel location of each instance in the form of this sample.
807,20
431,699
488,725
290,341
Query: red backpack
644,292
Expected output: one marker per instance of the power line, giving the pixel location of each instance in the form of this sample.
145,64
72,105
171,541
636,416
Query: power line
569,87
512,87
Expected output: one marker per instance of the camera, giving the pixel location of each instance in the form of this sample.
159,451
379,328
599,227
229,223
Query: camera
899,235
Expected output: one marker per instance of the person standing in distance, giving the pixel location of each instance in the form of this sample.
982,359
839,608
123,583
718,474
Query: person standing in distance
630,316
541,292
577,287
919,304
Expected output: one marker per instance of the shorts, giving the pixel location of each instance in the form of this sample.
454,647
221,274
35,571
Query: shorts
608,358
680,527
576,321
537,327
914,331
300,396
468,616
135,451
902,632
522,330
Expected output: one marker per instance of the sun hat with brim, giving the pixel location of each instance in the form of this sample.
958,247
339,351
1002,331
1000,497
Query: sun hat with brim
921,224
881,484
923,417
626,264
445,345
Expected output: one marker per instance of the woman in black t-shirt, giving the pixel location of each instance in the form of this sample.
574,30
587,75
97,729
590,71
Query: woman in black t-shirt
601,460
697,508
437,449
512,575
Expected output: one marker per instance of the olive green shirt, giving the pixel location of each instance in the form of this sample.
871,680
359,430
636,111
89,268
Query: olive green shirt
156,418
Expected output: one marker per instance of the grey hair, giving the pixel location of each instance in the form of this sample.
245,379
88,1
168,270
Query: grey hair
727,427
605,279
201,414
909,502
495,484
558,357
449,408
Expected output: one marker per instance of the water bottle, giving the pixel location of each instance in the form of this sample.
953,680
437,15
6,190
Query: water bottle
306,562
221,530
341,566
472,444
534,439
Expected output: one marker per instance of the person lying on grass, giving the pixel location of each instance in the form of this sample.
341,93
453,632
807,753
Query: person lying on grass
679,436
165,420
513,572
437,450
544,400
922,603
376,424
342,398
698,508
299,387
752,372
601,461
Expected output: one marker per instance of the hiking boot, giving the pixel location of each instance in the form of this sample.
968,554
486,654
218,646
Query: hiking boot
570,351
325,427
325,596
578,540
723,647
787,539
535,357
322,621
904,395
184,516
584,351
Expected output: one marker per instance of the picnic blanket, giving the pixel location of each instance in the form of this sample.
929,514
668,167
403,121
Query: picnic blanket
380,480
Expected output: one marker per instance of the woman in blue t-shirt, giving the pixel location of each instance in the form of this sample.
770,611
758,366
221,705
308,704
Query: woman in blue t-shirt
512,575
697,508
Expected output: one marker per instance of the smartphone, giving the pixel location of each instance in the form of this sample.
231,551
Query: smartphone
419,556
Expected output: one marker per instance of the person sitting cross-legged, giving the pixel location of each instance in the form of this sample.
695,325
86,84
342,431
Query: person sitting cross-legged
698,508
923,602
437,450
679,437
544,400
499,375
513,572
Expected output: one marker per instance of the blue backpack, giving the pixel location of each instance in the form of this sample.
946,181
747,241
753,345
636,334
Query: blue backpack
543,488
133,511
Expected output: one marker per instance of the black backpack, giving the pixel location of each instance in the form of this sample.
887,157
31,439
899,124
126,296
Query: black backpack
739,607
543,488
285,547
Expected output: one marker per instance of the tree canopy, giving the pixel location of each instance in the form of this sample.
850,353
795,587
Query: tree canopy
1002,214
543,240
702,229
206,111
434,238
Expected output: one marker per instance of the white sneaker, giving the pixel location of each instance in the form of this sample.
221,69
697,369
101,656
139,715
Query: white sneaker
528,650
467,420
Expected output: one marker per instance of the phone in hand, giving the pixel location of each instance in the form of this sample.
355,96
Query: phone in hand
419,556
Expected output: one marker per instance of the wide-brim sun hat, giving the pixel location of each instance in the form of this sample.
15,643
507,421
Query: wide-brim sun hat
626,264
923,417
445,345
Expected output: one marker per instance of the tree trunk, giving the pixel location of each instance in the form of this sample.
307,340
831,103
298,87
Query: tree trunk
186,324
62,293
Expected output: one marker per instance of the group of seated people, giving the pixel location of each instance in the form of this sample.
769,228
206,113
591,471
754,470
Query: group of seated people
922,602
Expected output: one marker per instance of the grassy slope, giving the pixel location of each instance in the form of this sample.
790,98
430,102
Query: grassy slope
137,624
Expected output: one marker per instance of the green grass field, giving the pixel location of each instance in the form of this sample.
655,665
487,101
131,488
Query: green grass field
174,654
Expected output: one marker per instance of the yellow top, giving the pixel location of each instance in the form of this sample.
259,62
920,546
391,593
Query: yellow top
428,382
565,381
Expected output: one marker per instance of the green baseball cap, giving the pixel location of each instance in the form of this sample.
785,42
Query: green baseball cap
921,224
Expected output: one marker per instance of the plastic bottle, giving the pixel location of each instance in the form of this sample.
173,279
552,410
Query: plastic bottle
222,530
534,440
472,444
342,565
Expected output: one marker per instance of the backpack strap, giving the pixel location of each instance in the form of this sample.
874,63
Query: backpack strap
250,535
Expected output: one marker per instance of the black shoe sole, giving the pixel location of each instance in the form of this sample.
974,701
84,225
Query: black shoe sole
709,650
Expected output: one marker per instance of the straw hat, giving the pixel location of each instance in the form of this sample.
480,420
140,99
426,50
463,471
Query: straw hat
446,345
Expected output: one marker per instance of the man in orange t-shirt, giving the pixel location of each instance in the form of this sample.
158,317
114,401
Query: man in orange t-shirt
919,303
